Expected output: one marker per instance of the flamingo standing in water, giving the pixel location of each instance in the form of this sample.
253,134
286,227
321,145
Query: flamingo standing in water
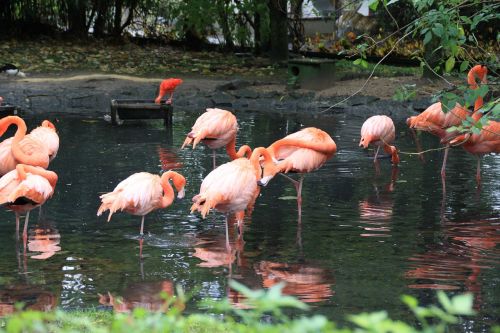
303,151
379,131
217,128
435,121
25,188
21,148
167,86
231,187
141,193
486,142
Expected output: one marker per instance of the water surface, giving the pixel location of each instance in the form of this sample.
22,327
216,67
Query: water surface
367,236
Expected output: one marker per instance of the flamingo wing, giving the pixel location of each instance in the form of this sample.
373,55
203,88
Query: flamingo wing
217,124
138,194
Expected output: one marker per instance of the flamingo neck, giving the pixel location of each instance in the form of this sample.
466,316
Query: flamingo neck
51,176
168,192
327,148
13,120
244,151
255,160
479,72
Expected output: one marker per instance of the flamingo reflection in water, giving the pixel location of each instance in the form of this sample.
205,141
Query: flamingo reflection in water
31,297
308,282
469,248
146,295
44,240
376,211
168,159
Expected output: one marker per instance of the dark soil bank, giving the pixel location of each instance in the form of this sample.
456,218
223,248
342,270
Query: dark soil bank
90,96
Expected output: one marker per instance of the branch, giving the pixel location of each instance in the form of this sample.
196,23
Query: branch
371,74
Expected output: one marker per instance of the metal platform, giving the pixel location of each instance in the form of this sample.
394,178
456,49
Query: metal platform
126,109
7,110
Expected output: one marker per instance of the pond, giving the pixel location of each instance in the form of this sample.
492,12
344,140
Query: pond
366,236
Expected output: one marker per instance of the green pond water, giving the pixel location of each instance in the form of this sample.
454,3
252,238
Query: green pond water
366,237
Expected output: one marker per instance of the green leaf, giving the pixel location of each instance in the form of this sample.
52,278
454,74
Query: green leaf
462,304
427,38
450,63
410,301
464,65
438,30
357,61
373,5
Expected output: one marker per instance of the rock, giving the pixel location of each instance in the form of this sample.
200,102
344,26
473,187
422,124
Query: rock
233,85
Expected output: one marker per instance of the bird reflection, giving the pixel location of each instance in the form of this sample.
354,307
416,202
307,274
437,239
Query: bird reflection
377,209
146,295
45,240
168,159
212,250
307,282
456,263
31,297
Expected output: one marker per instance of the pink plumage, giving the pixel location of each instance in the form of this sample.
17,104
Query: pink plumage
379,131
167,86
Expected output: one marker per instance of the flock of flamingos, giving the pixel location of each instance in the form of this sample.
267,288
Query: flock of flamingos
232,187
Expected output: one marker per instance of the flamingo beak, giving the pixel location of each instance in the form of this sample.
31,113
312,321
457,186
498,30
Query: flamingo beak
264,180
181,193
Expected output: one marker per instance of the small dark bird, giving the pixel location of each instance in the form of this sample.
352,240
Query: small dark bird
12,70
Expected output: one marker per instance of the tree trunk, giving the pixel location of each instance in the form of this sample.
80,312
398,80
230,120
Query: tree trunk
297,28
77,18
224,23
117,21
279,30
100,21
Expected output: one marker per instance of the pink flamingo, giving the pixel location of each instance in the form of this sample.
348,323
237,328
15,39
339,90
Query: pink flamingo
167,86
486,142
25,188
231,187
217,128
141,193
303,151
21,148
47,135
435,121
379,131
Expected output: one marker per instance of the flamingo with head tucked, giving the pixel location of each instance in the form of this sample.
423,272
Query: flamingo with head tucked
141,193
302,152
379,131
167,86
231,187
217,128
25,188
47,134
21,148
435,121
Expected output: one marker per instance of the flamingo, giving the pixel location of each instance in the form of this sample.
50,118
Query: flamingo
435,121
25,188
302,152
21,148
167,86
217,128
47,134
141,193
379,131
486,142
231,187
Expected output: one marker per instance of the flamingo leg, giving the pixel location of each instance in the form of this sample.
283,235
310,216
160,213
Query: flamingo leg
169,100
478,171
417,143
25,230
141,240
443,167
213,158
298,188
239,219
376,154
142,227
228,246
17,225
